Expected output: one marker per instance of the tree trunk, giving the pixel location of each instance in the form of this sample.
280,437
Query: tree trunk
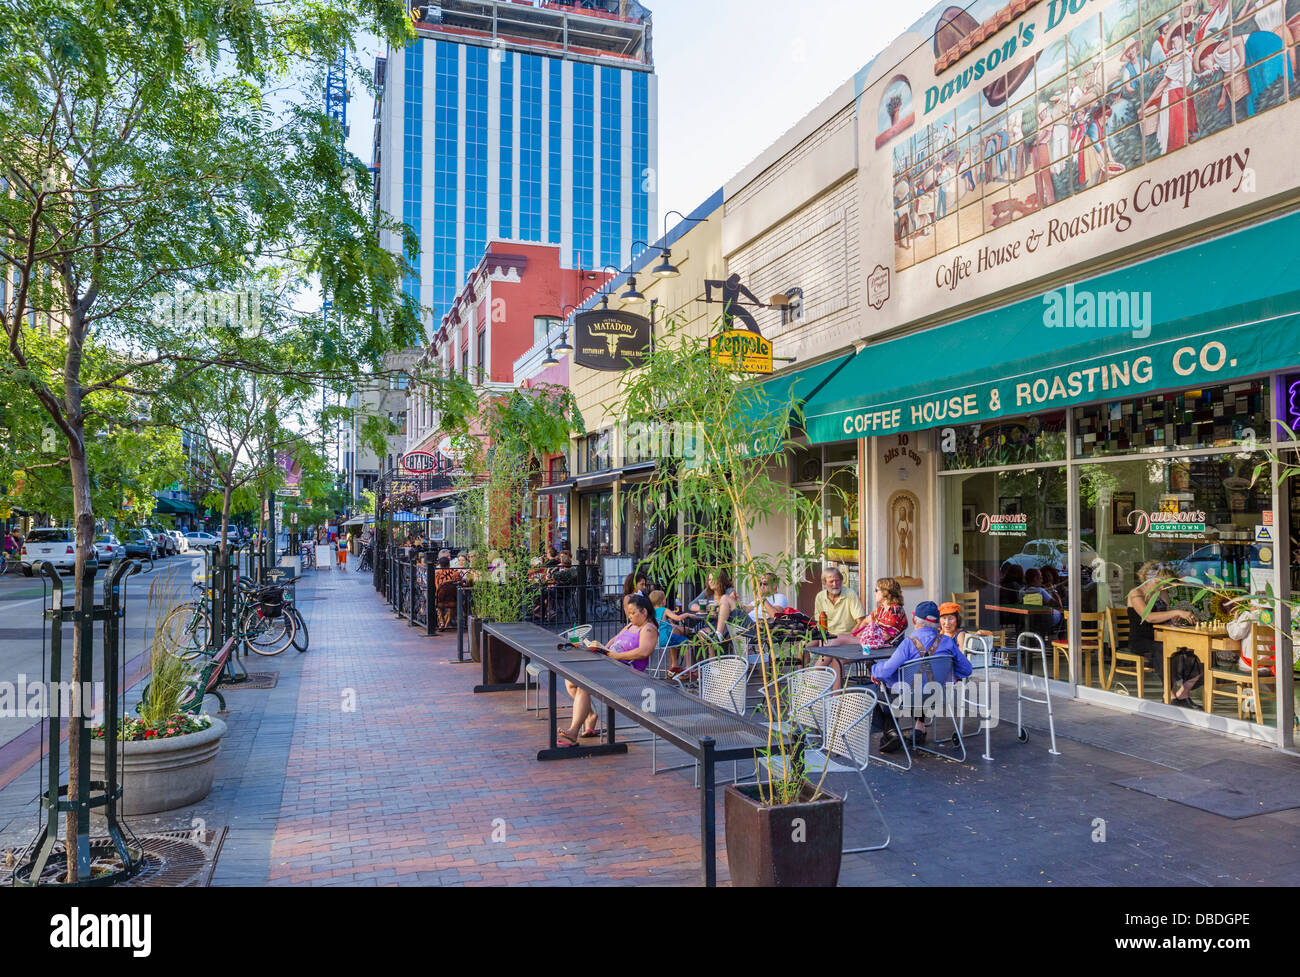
84,524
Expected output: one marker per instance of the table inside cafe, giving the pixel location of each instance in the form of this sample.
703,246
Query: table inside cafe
1202,640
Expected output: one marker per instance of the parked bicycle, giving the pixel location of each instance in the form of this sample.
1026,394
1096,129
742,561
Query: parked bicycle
264,623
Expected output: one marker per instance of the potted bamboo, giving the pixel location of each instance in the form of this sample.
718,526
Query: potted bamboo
728,479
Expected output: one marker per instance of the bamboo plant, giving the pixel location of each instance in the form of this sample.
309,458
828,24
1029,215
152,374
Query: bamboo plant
723,446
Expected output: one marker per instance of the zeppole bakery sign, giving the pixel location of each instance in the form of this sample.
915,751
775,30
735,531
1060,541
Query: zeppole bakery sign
1022,140
605,339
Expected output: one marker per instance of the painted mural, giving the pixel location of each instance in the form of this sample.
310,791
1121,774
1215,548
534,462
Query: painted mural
1016,107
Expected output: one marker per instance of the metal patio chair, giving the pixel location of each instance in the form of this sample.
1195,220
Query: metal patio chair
845,721
718,681
947,705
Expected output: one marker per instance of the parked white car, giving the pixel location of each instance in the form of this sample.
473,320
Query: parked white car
202,540
108,548
49,545
182,544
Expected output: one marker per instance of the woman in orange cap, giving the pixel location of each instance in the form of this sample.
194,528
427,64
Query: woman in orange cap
950,624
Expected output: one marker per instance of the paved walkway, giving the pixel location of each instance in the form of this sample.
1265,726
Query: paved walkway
372,763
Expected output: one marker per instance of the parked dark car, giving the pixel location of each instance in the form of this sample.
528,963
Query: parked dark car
140,542
166,545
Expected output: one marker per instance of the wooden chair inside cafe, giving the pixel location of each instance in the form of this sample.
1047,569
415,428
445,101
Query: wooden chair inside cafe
969,600
1248,688
1123,661
1090,639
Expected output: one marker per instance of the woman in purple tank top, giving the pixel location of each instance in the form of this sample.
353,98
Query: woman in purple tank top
633,646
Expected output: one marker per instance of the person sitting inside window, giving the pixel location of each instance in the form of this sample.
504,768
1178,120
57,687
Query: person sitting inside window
1146,608
924,642
633,646
1034,585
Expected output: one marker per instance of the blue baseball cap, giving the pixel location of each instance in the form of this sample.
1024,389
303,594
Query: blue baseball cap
927,611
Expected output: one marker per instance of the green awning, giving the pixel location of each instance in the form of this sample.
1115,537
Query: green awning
1209,313
174,507
786,390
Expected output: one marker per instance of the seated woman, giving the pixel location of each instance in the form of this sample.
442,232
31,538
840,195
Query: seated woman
445,580
881,628
633,645
1147,608
719,596
950,625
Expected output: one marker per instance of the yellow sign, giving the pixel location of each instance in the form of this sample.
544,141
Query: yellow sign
743,350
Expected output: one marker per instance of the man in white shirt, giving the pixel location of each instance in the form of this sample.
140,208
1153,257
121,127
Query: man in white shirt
770,601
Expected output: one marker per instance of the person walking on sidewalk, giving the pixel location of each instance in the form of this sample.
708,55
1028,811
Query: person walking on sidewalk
343,551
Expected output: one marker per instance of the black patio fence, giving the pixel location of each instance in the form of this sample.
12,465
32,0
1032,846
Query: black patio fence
558,600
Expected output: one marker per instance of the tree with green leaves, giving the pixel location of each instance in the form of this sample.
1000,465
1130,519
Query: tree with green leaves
498,435
144,165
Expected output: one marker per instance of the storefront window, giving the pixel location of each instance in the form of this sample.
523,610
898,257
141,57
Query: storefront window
1203,520
840,530
1013,553
1019,441
1206,418
597,513
645,520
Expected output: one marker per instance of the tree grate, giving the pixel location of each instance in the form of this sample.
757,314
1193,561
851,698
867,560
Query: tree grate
172,859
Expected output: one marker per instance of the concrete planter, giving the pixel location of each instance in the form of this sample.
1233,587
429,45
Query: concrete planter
161,775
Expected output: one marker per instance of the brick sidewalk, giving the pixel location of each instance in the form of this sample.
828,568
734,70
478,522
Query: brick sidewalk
427,783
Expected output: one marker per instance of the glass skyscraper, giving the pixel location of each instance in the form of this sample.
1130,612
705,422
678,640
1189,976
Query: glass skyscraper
543,126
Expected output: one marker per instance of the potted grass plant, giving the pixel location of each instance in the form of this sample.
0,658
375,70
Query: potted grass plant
167,755
727,483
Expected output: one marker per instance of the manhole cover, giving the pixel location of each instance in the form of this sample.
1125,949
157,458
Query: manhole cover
171,859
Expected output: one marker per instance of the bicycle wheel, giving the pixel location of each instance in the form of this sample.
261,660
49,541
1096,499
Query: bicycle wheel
266,637
185,631
300,636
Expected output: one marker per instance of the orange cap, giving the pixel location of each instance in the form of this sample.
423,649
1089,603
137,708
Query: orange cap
949,608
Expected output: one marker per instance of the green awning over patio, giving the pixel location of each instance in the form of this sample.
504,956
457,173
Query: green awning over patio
1205,314
174,507
783,391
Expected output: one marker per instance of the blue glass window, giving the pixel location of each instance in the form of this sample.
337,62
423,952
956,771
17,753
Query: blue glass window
641,175
413,153
555,151
530,147
611,166
583,175
476,153
507,175
445,176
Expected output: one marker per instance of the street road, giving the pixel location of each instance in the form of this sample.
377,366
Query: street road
24,636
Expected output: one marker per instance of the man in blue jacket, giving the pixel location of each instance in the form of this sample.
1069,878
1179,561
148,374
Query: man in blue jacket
925,641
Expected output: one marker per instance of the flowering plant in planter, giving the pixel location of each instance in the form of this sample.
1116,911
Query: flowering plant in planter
138,730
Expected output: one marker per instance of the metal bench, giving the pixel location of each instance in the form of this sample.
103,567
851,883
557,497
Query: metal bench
704,731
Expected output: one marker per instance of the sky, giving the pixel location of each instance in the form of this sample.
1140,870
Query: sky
734,76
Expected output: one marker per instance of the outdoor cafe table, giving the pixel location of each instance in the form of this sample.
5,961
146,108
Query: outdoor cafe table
708,733
854,657
1201,642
